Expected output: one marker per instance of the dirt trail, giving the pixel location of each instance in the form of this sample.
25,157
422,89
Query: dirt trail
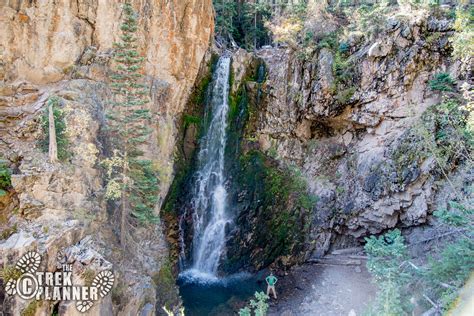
339,286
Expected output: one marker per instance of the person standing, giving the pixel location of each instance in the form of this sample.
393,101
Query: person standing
271,281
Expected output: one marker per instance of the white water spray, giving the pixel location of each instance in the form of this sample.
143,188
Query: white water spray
209,193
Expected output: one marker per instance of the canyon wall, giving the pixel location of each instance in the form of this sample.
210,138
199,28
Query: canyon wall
326,145
359,135
64,49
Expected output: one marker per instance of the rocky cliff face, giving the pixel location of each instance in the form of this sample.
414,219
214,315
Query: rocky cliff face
341,139
339,122
64,49
353,133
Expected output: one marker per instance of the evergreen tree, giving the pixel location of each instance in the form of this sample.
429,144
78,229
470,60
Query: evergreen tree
243,22
255,16
386,255
226,11
447,273
132,177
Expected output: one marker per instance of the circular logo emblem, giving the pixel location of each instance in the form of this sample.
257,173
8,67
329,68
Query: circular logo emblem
27,286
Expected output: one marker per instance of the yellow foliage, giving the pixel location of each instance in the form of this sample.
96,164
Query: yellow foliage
113,190
116,163
112,163
463,39
468,94
286,30
78,121
88,152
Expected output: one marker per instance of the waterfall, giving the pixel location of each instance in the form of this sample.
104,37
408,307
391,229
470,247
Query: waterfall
209,195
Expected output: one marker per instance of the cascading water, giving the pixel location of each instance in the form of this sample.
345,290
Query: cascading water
200,287
209,195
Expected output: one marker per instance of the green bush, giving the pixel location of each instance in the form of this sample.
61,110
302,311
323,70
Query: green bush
191,120
10,273
441,279
442,133
368,19
343,47
329,41
456,262
259,306
5,178
453,267
463,39
342,68
457,214
442,82
7,232
30,310
385,257
345,95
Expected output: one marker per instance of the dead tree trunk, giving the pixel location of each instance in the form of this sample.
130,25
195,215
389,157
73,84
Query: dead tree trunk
124,206
53,146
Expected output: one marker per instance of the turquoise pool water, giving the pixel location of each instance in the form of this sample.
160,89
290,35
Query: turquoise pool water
203,295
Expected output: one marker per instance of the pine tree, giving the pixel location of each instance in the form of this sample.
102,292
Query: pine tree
132,178
226,11
386,255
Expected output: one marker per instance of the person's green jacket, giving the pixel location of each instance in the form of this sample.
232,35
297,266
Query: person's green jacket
271,280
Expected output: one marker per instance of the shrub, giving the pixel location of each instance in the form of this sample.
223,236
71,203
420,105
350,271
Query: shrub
345,95
456,215
368,19
191,119
259,306
342,68
442,82
463,39
440,279
30,310
456,262
343,47
5,178
7,232
10,273
386,255
443,133
453,267
329,41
